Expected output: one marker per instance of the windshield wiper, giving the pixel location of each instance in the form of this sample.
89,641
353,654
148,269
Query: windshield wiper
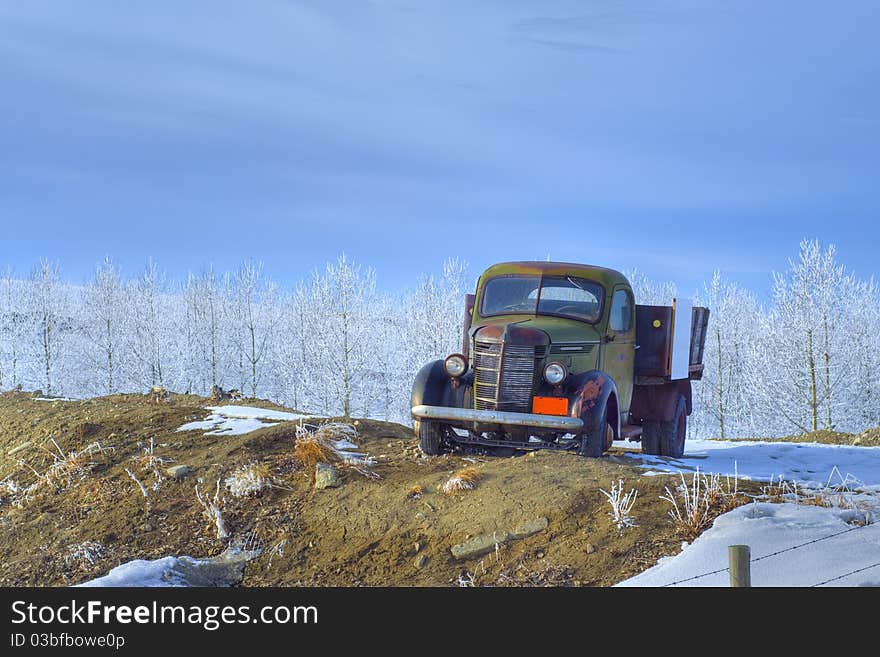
575,283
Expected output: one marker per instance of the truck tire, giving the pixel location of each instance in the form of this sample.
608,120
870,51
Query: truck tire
666,438
595,443
431,435
651,438
673,434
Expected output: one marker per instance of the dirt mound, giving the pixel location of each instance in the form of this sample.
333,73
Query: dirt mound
869,438
86,486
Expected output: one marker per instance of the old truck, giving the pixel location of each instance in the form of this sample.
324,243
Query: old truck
559,356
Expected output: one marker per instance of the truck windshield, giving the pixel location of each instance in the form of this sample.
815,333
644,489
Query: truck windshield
566,296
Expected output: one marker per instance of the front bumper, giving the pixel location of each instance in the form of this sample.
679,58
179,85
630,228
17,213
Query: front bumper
503,418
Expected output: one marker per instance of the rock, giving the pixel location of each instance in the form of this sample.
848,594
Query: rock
589,548
529,528
19,448
420,561
179,471
479,545
326,476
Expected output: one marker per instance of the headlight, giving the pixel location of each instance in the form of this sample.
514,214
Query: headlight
455,365
555,373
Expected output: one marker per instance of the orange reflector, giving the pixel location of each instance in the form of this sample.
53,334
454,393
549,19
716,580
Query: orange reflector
550,405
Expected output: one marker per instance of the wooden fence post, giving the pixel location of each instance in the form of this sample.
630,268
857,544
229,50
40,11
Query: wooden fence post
739,559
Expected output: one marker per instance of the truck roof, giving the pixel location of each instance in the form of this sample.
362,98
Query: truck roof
603,275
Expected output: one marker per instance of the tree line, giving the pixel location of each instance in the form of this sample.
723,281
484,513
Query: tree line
333,344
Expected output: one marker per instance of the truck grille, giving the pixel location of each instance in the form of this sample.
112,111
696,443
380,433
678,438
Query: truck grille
504,375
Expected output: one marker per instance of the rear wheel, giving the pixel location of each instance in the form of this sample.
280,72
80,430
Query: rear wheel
673,433
651,438
431,437
599,440
667,438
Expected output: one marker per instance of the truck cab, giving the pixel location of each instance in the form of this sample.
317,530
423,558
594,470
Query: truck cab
558,356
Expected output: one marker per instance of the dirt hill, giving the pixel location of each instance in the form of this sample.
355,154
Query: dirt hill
538,519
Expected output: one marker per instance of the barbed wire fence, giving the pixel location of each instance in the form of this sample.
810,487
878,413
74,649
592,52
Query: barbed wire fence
790,549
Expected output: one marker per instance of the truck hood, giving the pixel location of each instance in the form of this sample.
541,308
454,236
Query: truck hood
541,330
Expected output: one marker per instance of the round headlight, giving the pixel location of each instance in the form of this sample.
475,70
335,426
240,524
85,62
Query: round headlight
455,365
555,373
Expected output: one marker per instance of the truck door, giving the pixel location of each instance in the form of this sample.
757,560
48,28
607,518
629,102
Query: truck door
619,346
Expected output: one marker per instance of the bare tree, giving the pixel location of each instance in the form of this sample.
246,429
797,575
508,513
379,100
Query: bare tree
104,303
205,312
48,301
338,322
253,299
13,325
812,301
729,378
148,339
648,292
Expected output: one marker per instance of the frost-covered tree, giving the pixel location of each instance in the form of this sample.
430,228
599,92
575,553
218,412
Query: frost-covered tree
13,327
865,344
104,325
47,308
727,392
809,328
253,310
648,292
151,334
338,322
205,310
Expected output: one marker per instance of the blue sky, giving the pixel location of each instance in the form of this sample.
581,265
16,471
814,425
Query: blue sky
677,137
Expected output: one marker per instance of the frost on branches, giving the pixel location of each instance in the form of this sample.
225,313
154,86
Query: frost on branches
334,344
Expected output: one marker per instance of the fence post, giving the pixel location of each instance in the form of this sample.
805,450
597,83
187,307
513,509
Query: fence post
739,559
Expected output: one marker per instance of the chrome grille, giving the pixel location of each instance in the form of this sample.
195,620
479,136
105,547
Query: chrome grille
504,375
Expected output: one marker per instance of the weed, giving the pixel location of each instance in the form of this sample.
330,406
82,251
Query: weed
249,480
212,509
465,479
621,505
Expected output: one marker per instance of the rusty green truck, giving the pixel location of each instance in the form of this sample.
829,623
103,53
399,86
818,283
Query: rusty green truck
559,356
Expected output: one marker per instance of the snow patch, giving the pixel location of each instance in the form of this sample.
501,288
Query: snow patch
223,570
805,463
239,420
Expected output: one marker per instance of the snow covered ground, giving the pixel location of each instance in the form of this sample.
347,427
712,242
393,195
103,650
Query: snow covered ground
769,529
804,463
237,420
832,551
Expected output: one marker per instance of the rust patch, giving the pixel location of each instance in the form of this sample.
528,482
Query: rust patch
490,332
589,393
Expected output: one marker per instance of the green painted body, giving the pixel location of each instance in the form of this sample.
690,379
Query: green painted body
610,352
501,397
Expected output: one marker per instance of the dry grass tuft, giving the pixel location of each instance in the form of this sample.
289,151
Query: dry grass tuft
310,451
249,480
465,479
331,442
696,505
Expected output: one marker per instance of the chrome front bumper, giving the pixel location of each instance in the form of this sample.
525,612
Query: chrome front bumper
505,418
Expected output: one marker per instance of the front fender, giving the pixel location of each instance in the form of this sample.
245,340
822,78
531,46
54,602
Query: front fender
433,387
589,394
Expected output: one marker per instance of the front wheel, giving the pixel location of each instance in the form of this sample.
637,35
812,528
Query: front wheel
431,437
599,440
